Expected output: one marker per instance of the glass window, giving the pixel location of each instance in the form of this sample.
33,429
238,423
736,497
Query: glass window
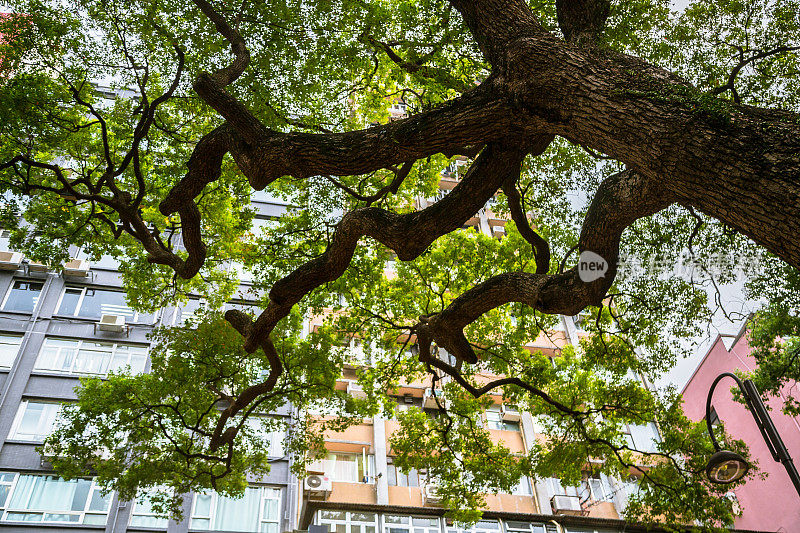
6,482
348,522
396,477
36,498
187,310
88,302
347,467
523,487
482,526
643,438
86,357
599,488
35,420
257,511
494,420
265,431
425,525
23,296
524,527
143,515
9,346
396,524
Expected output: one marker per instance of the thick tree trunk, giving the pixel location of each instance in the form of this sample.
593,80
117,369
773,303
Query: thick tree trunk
736,163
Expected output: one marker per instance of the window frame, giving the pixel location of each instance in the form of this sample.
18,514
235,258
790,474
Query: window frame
263,491
135,319
348,522
82,514
78,348
13,359
22,409
38,298
149,514
368,468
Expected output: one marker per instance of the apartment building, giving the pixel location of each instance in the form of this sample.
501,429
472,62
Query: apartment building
356,487
771,504
57,327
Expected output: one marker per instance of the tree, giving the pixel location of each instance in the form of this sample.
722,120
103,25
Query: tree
680,130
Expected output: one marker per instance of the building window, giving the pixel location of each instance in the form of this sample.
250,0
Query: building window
396,477
86,357
143,515
523,487
555,488
50,499
23,296
599,488
347,467
408,524
35,420
263,428
643,438
257,511
89,302
9,346
482,526
714,417
187,311
524,527
348,522
494,420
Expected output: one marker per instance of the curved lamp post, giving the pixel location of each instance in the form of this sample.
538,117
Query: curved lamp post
726,466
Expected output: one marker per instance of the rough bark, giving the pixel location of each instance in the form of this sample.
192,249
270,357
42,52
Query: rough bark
737,163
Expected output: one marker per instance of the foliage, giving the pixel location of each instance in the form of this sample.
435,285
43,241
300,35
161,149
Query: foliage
334,66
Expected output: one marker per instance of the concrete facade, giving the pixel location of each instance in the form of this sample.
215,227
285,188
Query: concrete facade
769,504
31,391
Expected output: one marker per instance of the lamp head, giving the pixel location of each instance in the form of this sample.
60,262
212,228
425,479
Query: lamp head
726,467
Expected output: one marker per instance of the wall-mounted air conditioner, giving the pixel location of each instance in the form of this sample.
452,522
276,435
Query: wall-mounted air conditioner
430,494
317,485
509,414
498,231
564,504
34,266
76,268
10,260
115,323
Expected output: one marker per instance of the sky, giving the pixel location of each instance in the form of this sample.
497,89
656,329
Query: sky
733,302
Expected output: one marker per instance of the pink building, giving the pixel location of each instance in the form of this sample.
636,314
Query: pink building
771,504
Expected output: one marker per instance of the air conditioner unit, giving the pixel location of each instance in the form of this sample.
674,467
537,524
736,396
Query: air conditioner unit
509,414
34,266
430,494
429,401
498,231
567,505
355,390
115,323
77,268
10,260
317,483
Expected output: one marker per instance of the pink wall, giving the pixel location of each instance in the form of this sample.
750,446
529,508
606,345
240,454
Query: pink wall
771,504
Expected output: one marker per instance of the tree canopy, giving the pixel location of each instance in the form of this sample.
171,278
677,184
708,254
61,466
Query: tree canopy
649,137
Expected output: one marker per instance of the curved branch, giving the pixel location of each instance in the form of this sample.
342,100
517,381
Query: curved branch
492,167
541,248
620,200
730,85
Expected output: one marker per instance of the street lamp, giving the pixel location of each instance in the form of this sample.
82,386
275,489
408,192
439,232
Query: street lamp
726,466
